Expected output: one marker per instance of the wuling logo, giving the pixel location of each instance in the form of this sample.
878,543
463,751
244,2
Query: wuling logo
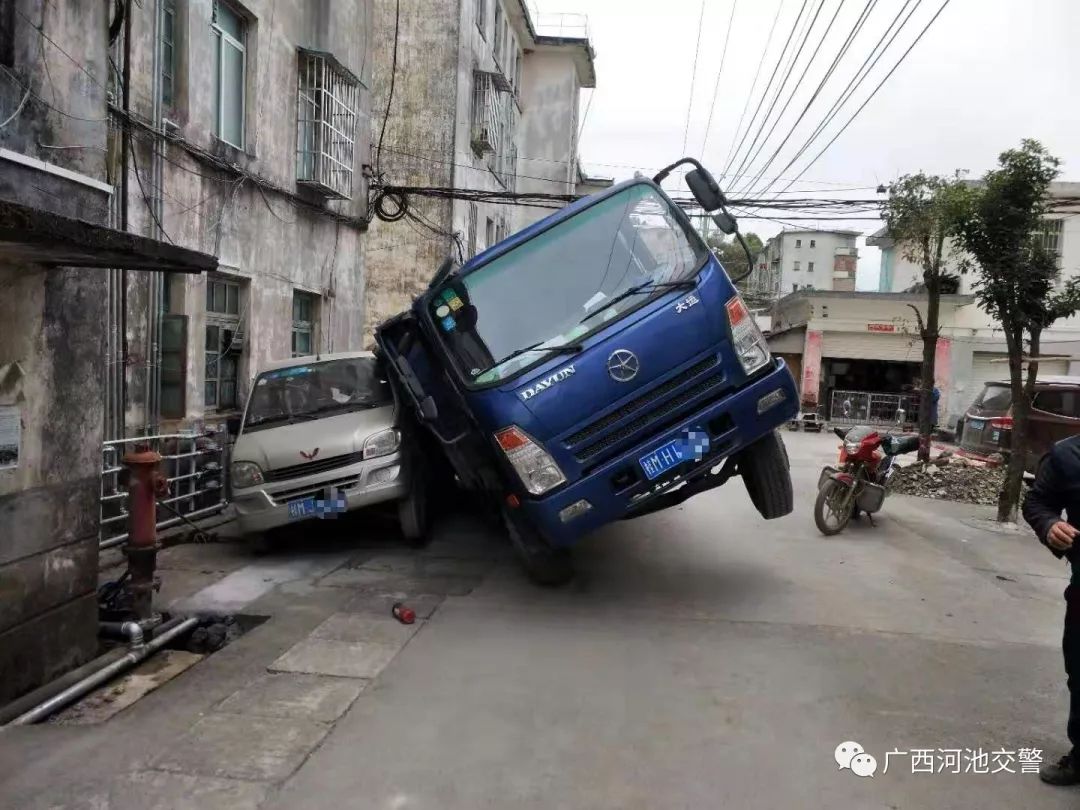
311,455
547,382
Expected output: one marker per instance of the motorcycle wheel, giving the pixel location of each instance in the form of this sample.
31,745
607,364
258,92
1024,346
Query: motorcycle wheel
831,512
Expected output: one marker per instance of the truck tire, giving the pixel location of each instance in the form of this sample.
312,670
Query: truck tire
766,473
542,563
412,513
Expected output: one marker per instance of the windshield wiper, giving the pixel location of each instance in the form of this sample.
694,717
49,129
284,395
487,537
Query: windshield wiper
647,286
565,348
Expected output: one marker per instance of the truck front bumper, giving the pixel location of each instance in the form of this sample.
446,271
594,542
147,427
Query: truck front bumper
732,422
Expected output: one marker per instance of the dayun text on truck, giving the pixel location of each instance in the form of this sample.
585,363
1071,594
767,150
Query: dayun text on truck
596,366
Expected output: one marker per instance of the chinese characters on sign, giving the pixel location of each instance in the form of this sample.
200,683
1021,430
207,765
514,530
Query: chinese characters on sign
881,327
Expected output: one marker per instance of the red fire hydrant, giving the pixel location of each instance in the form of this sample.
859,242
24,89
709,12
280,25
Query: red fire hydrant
145,485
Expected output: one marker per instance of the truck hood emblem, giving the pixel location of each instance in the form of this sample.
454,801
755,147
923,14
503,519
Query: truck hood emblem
623,365
547,382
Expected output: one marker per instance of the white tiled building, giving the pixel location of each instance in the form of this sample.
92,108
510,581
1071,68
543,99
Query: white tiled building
796,260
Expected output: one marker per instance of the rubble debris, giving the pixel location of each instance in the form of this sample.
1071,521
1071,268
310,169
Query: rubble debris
956,480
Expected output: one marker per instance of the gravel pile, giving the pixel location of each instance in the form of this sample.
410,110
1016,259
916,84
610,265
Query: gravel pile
954,480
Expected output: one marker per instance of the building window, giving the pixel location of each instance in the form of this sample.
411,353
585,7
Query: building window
173,365
490,232
328,99
230,67
481,17
798,265
813,243
484,130
304,316
472,229
794,287
497,46
223,343
809,267
517,71
168,52
798,243
1050,236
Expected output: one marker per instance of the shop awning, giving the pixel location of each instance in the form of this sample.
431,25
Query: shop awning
41,237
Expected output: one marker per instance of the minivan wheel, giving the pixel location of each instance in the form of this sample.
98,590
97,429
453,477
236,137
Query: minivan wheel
543,564
766,474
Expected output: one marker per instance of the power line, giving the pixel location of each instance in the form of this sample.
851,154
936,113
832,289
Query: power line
765,92
753,84
857,80
856,28
872,94
751,153
390,95
719,73
693,78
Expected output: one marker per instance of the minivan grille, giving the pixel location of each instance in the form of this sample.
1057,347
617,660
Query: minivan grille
652,396
312,467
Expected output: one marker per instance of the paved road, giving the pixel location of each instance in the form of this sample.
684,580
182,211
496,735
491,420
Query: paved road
704,658
708,659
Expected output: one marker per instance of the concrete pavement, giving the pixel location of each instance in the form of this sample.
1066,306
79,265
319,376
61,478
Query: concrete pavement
703,658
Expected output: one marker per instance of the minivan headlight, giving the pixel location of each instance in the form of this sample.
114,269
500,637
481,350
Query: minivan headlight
246,474
382,443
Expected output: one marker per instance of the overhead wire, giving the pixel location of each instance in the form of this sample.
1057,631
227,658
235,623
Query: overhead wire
393,80
765,92
719,73
693,78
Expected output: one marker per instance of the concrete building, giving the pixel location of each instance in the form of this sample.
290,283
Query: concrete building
486,97
58,191
869,342
249,122
805,260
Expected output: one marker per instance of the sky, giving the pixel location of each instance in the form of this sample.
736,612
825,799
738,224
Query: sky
986,74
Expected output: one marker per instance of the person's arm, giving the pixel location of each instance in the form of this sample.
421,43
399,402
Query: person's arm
1044,504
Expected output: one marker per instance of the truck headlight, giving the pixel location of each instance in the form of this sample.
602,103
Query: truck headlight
534,466
749,343
246,474
382,443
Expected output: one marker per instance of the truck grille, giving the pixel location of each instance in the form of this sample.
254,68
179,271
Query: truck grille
662,417
647,399
312,467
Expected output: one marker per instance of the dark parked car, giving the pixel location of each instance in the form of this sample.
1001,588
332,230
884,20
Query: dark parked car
1055,415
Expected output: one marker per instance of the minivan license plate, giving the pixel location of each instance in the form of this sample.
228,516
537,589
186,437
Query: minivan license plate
662,459
303,508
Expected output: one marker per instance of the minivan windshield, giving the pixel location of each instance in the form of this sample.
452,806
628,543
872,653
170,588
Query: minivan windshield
313,389
572,279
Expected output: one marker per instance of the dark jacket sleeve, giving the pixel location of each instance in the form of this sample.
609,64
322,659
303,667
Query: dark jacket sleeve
1046,499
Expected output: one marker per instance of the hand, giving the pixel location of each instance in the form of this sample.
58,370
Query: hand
1060,537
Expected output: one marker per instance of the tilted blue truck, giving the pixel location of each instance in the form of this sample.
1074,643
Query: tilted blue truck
596,366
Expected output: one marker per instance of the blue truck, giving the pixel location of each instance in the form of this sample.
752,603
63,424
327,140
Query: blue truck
596,366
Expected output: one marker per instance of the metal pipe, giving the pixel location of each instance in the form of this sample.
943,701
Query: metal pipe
43,693
88,684
132,631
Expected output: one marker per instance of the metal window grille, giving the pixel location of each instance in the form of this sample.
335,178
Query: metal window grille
1050,236
328,99
303,323
485,108
223,344
168,52
472,229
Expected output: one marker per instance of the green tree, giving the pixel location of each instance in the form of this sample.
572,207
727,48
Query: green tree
1017,278
923,214
730,252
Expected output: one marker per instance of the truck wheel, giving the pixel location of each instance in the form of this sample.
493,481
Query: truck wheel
412,513
543,564
766,473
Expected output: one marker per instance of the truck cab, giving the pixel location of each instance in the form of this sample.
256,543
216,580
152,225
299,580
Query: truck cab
596,366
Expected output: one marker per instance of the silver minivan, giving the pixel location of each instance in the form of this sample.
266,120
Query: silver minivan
321,436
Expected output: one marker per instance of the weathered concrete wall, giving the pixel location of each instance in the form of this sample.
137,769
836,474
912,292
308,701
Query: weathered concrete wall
272,246
52,353
418,147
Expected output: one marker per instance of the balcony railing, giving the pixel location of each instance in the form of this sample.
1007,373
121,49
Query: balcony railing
559,24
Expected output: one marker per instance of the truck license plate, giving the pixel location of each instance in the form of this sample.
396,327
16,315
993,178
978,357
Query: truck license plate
662,459
303,508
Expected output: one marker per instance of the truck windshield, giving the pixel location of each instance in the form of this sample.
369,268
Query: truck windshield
565,283
315,389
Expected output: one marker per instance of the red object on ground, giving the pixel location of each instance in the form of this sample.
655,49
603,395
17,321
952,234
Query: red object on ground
405,615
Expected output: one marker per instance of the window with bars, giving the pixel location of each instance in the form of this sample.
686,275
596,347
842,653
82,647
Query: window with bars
1050,236
305,309
484,114
809,267
223,344
328,98
168,52
472,229
230,73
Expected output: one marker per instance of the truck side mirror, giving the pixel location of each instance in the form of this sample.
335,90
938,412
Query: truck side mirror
705,189
725,222
429,411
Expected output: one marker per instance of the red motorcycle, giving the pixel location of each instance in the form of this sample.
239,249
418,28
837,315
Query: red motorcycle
859,481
